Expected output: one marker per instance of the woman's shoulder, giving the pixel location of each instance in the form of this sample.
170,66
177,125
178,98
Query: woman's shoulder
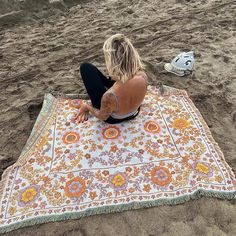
140,75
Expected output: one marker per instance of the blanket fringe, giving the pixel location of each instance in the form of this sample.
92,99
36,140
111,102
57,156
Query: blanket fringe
119,208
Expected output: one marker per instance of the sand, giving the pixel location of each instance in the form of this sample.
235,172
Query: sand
39,54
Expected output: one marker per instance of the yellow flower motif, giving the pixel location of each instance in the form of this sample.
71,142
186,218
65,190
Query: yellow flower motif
202,168
118,180
28,195
181,123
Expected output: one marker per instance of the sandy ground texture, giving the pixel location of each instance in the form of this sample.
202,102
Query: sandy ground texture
43,54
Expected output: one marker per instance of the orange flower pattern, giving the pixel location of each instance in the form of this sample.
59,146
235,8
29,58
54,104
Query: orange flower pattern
111,132
165,152
70,137
161,176
152,127
75,187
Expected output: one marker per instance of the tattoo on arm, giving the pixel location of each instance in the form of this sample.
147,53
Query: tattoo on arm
106,109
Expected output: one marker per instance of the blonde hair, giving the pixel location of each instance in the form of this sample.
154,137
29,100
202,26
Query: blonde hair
122,59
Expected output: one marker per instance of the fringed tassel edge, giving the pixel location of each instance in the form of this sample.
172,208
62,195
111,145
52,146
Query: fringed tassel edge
118,208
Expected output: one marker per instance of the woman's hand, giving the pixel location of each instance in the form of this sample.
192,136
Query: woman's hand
82,114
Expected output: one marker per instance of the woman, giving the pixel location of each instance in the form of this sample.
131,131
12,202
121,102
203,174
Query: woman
118,97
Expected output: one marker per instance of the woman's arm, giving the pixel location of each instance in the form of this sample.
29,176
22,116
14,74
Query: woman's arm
107,107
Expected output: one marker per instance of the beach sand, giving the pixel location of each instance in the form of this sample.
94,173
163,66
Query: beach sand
42,54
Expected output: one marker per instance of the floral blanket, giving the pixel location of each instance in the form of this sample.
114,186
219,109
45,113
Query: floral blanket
166,155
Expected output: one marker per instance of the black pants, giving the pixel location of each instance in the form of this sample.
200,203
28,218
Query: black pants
96,85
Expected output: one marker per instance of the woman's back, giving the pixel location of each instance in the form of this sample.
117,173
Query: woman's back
130,95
